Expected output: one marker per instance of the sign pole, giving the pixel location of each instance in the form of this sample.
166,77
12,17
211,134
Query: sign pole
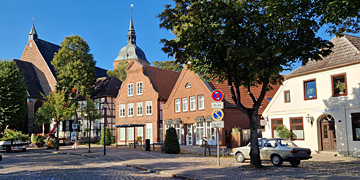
217,144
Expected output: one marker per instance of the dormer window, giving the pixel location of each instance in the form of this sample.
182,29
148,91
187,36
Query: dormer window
187,85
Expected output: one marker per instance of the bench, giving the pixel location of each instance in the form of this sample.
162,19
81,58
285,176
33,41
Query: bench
135,144
212,148
161,144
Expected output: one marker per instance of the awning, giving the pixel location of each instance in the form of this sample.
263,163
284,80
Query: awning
208,119
176,121
130,125
167,122
199,119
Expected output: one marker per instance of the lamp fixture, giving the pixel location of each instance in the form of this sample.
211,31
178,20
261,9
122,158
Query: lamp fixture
310,119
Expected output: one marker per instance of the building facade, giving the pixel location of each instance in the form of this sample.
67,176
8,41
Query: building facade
320,103
188,110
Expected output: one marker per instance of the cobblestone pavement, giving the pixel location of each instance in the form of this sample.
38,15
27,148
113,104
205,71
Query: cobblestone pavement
43,164
85,165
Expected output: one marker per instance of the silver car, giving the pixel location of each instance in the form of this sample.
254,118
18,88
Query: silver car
276,150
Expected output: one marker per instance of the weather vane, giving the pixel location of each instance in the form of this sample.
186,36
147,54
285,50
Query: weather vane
33,19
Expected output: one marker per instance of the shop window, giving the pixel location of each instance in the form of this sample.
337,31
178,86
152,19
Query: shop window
339,86
297,127
122,134
310,89
275,123
130,133
287,96
355,119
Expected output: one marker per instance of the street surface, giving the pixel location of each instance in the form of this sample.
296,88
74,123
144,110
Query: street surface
40,164
130,163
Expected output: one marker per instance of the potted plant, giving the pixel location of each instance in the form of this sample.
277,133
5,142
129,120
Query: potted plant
341,86
38,141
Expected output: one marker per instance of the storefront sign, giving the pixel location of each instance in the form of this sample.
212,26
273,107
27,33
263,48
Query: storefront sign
335,109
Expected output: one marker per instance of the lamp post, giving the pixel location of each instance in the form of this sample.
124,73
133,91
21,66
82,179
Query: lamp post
104,129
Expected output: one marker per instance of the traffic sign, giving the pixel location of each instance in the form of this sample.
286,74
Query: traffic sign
217,124
217,95
74,125
217,105
73,136
217,114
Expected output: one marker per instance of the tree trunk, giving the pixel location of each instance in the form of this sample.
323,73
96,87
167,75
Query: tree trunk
57,135
89,133
43,129
254,152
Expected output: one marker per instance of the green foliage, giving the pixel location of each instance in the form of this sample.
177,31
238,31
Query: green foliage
38,139
284,132
119,71
74,66
55,108
168,65
171,144
108,137
13,107
341,86
13,135
340,15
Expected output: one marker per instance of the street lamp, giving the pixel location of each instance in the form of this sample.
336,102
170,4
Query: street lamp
104,128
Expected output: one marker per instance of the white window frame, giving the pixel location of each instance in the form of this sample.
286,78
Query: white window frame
130,109
122,110
139,88
192,103
177,105
122,134
185,104
140,132
201,104
139,109
148,107
130,132
131,89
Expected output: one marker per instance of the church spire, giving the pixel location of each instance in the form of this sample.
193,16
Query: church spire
33,34
131,33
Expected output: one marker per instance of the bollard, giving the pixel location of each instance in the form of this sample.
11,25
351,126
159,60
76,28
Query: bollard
147,145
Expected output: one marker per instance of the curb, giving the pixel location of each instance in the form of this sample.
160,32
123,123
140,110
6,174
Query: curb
76,154
160,172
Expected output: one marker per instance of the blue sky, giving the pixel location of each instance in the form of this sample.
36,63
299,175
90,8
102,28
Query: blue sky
103,24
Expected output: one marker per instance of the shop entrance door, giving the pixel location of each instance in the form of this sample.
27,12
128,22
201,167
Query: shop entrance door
328,137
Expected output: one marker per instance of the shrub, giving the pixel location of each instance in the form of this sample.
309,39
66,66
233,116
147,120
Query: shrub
171,145
108,137
284,132
13,135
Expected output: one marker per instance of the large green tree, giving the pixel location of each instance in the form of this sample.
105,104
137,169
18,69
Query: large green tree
168,65
55,108
119,71
74,66
245,43
13,91
340,15
90,113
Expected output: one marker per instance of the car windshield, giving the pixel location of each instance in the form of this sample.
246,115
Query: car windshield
285,142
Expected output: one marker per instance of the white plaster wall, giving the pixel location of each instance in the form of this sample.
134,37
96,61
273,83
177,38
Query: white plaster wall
339,107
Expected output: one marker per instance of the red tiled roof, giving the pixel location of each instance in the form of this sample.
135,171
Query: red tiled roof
245,97
163,80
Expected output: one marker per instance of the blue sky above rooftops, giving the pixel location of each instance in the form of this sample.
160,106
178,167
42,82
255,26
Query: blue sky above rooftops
103,24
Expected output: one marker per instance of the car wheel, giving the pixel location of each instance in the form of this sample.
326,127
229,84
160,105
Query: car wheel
240,157
295,163
276,160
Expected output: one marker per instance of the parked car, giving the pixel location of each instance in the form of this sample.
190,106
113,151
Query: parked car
276,150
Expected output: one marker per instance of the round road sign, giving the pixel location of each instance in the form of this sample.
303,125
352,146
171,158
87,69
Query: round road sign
217,114
217,95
